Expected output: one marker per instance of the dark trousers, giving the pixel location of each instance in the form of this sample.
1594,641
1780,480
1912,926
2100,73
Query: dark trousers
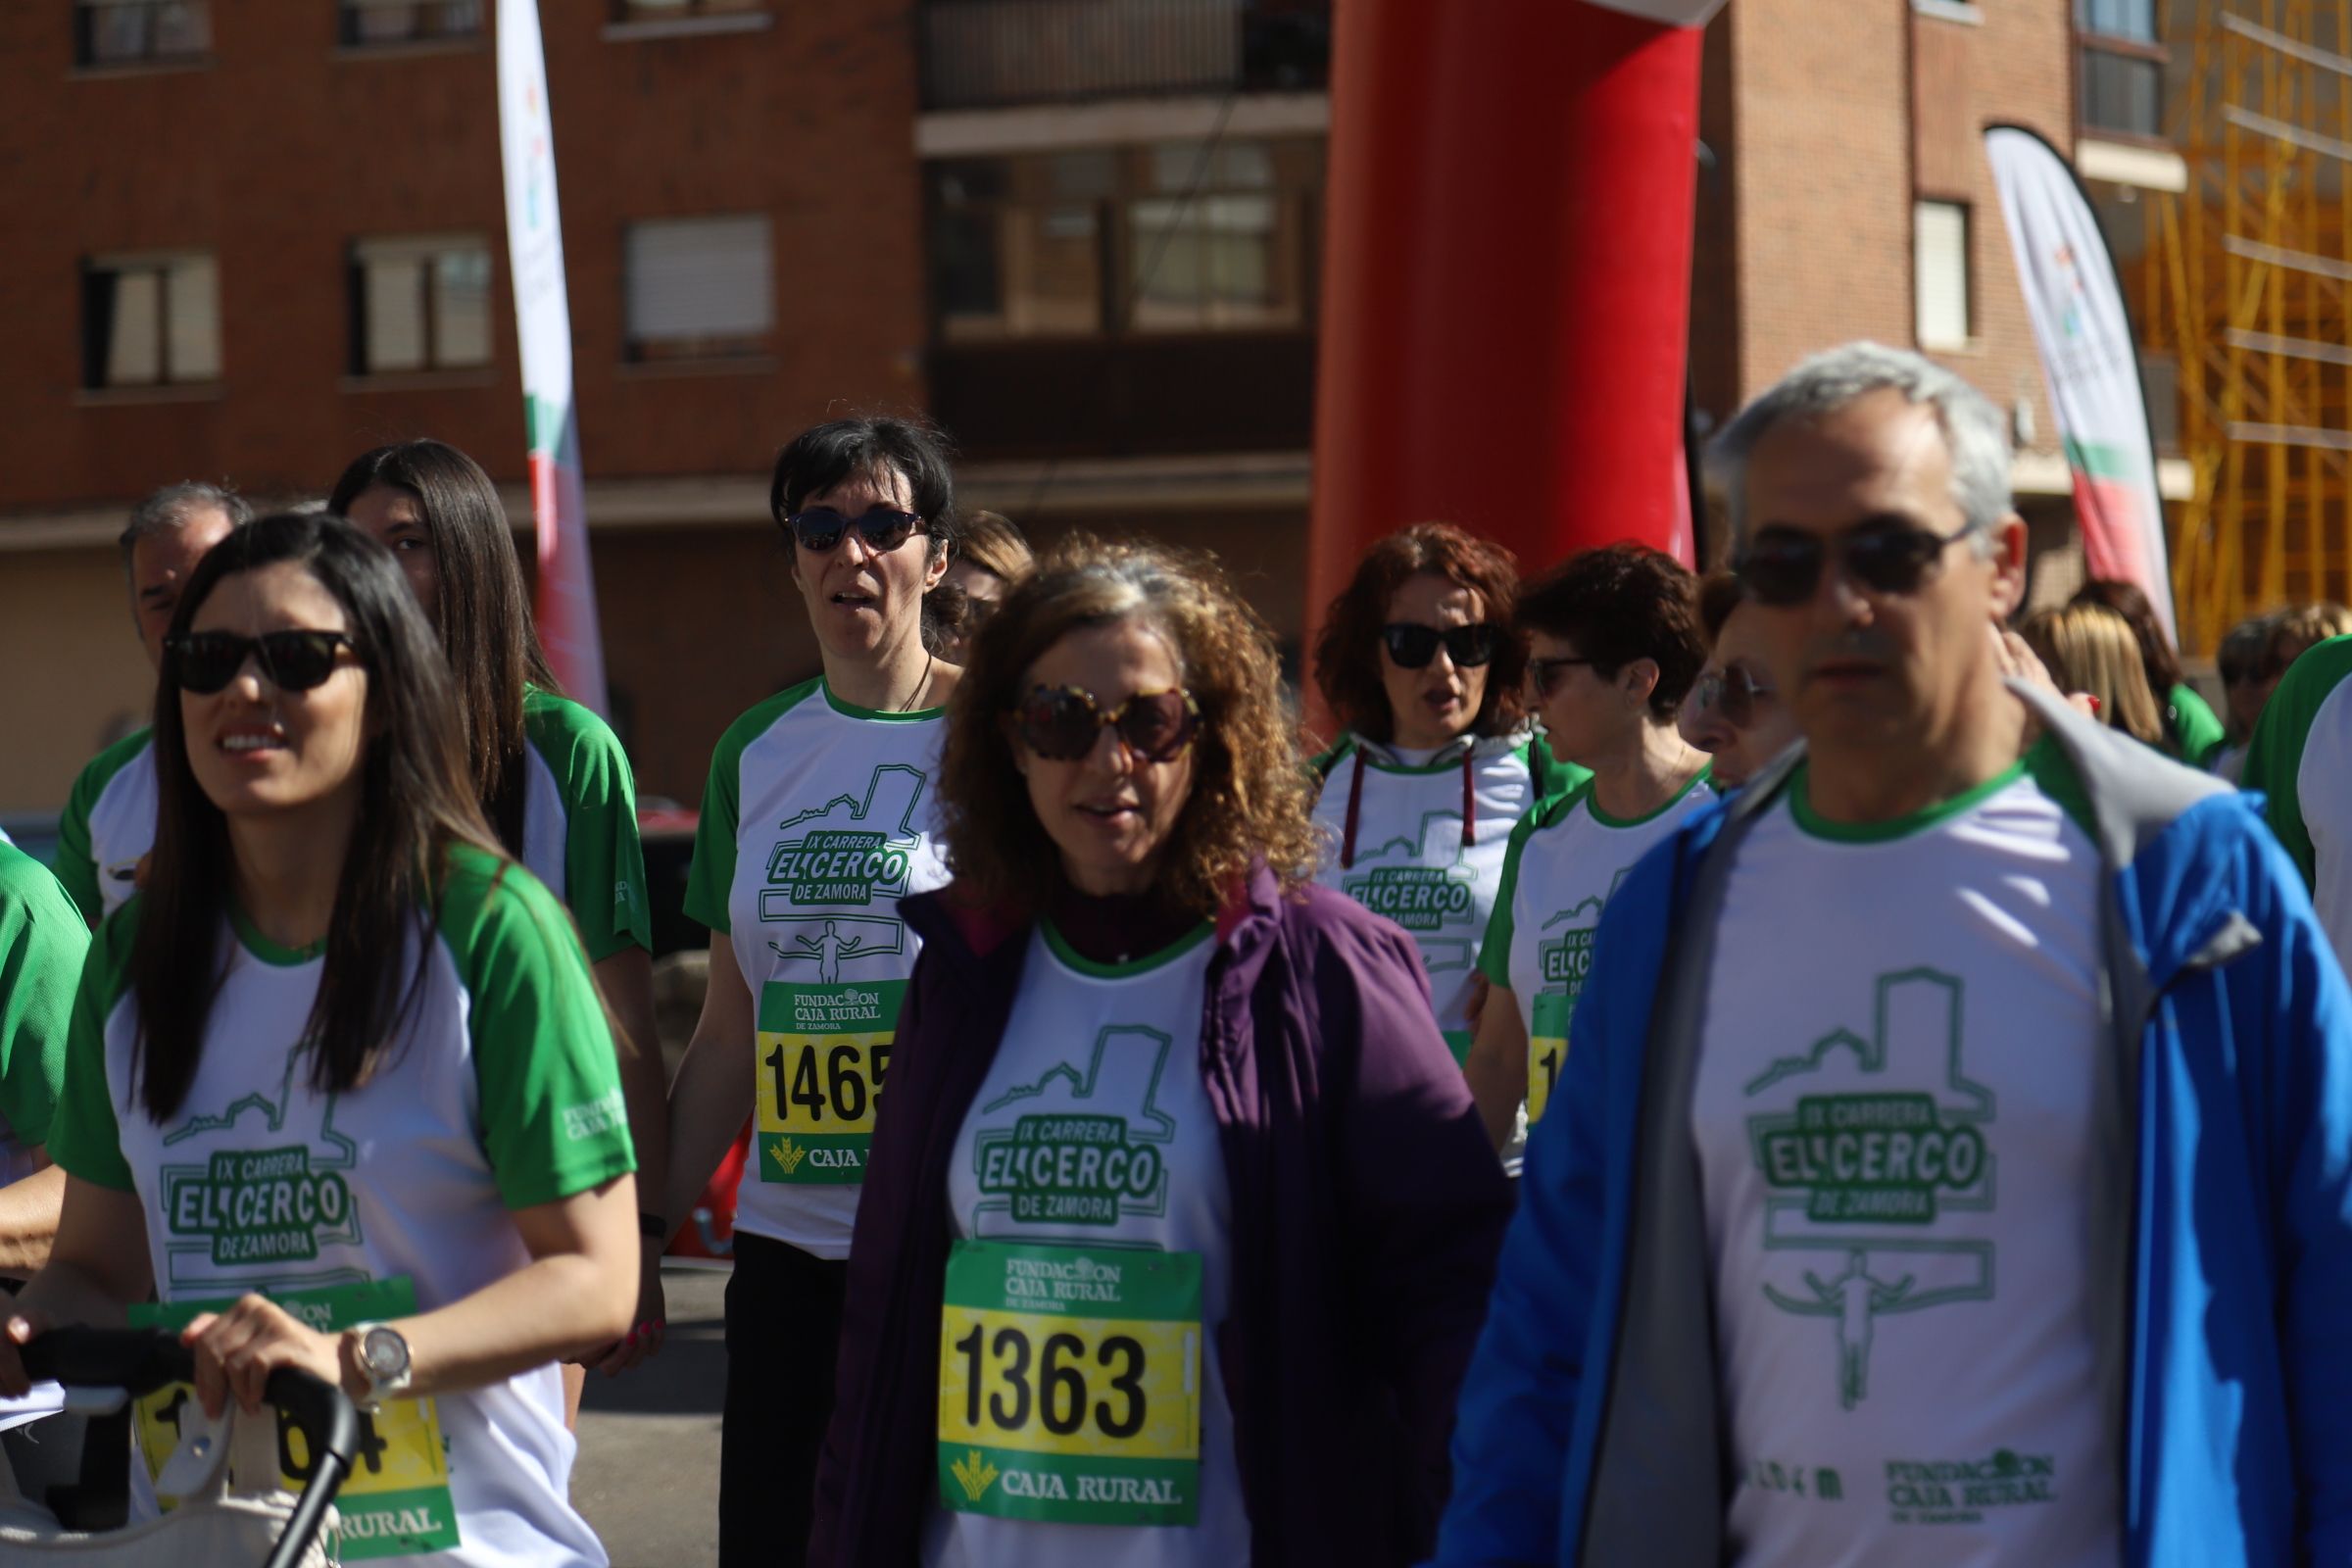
783,1328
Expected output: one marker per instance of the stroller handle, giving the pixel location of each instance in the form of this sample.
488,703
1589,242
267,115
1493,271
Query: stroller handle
142,1361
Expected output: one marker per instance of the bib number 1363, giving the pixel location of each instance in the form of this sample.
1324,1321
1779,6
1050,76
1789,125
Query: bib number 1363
1069,1384
823,1053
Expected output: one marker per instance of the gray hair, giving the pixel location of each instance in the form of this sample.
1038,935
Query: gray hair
173,504
1974,432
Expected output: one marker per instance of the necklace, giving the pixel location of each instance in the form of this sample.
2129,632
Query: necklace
921,683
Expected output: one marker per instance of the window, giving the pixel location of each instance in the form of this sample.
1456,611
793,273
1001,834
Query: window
1939,274
132,32
367,24
676,10
419,304
699,288
150,321
1170,237
2120,63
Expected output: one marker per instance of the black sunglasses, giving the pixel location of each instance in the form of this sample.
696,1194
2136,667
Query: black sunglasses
1783,566
1544,673
1411,646
1061,723
883,528
205,661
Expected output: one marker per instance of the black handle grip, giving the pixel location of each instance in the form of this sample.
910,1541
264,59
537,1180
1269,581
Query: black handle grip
143,1361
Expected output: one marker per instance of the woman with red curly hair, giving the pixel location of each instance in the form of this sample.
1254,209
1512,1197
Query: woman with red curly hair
1178,1227
1420,663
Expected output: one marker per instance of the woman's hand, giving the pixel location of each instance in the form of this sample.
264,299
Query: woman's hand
236,1350
20,1329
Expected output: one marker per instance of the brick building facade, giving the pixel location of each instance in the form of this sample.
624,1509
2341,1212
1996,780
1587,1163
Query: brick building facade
1091,252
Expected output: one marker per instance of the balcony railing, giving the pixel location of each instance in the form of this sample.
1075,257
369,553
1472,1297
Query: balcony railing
989,53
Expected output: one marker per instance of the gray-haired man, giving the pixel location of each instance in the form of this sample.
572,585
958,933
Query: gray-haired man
1951,1160
108,823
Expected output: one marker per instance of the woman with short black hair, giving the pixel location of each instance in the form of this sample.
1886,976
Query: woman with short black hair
819,817
1614,647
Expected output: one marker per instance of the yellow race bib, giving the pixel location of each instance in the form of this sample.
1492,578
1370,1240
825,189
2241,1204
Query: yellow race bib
396,1501
824,1052
1069,1384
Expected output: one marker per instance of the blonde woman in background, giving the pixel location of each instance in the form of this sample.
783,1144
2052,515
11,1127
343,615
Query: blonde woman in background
2090,649
991,559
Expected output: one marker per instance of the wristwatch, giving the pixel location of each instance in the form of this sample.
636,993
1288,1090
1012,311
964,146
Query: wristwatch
382,1357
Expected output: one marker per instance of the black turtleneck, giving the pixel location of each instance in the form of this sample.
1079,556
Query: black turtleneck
1119,928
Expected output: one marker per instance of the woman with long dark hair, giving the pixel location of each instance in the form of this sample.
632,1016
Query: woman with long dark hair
820,815
549,775
1421,664
1178,1232
339,1093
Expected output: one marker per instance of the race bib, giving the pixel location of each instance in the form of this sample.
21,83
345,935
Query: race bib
396,1501
824,1052
1546,1049
1069,1384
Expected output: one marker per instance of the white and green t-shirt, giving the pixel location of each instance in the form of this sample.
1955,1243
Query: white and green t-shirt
1083,1421
42,942
1413,862
2301,758
819,818
1563,863
501,1093
580,823
108,825
1893,1118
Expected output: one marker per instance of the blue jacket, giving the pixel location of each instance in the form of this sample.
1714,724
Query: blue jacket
1590,1430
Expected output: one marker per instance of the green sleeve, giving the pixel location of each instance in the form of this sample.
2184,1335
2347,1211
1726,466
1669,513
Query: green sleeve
1494,952
43,940
604,862
2197,735
77,860
1554,777
2274,755
83,1136
553,1121
712,875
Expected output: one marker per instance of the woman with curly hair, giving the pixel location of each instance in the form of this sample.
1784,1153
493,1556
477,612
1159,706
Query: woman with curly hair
1418,660
1178,1230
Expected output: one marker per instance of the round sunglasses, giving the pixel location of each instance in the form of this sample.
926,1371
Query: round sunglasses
1781,566
1411,646
883,528
1733,693
1061,723
205,661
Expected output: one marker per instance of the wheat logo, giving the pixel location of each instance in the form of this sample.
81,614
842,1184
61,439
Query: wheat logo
789,1154
975,1473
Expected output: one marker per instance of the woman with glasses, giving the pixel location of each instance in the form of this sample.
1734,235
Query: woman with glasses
549,775
1733,713
339,1093
1178,1233
820,815
1615,648
1421,667
991,559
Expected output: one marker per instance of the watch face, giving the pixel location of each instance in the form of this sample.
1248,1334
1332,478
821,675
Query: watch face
385,1352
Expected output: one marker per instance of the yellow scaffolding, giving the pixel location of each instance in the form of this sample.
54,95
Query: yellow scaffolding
2246,282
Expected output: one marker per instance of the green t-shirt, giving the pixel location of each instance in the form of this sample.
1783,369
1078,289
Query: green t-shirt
2299,760
580,823
42,941
2190,723
108,825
